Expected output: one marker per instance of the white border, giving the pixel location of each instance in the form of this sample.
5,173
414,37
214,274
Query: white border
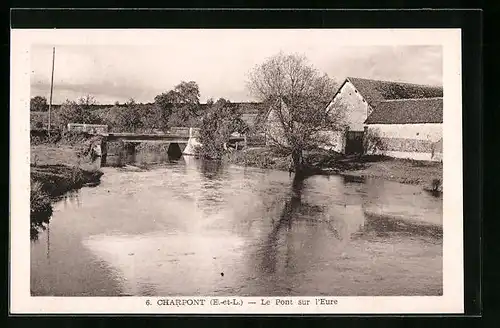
21,301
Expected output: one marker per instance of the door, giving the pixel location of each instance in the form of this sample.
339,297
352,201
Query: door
354,142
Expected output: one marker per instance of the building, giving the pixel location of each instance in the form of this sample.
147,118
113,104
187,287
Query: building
252,114
381,117
407,128
396,119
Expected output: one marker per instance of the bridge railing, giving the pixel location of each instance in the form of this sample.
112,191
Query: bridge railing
184,131
178,131
88,128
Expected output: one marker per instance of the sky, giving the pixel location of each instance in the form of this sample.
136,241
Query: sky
218,61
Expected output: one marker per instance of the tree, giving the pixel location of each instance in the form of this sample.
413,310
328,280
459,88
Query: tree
150,117
128,117
219,121
180,106
86,106
297,95
38,104
79,111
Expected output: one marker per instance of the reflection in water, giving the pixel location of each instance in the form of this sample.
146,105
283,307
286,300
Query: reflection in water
174,228
210,169
41,221
287,215
71,198
145,154
38,226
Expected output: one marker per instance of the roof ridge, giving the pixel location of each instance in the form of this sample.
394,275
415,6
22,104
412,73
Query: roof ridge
403,99
389,81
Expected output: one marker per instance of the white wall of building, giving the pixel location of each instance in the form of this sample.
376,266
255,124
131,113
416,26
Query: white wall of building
428,131
355,107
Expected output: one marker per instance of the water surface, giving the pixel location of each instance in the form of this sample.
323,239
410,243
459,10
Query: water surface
191,227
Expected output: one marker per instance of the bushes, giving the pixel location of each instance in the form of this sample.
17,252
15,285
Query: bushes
38,137
40,209
258,157
79,111
220,120
39,201
372,142
435,185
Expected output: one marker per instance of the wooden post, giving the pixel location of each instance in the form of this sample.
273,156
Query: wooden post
51,84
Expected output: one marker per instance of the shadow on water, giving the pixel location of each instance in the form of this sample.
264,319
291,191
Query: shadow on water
369,225
293,209
386,226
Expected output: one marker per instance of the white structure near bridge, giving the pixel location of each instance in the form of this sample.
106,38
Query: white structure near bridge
192,143
88,128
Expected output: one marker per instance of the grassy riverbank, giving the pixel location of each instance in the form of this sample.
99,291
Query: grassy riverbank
424,173
55,170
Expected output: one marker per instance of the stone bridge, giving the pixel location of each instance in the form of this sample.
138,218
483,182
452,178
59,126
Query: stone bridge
186,139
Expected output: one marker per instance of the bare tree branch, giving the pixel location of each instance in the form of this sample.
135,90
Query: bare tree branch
299,96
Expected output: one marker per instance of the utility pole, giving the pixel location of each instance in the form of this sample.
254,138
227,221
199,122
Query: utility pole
51,83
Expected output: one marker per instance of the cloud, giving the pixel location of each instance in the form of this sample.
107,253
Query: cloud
416,64
219,64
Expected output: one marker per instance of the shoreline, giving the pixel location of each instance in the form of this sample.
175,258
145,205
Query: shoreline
58,179
426,174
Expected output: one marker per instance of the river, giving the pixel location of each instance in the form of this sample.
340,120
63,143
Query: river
192,227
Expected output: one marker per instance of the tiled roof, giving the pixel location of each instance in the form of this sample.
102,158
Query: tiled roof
250,107
407,111
375,91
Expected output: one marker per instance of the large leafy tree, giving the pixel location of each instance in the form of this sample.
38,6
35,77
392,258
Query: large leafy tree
297,96
180,106
128,117
38,104
219,121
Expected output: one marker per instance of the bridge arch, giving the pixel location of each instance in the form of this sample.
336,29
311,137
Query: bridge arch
175,150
